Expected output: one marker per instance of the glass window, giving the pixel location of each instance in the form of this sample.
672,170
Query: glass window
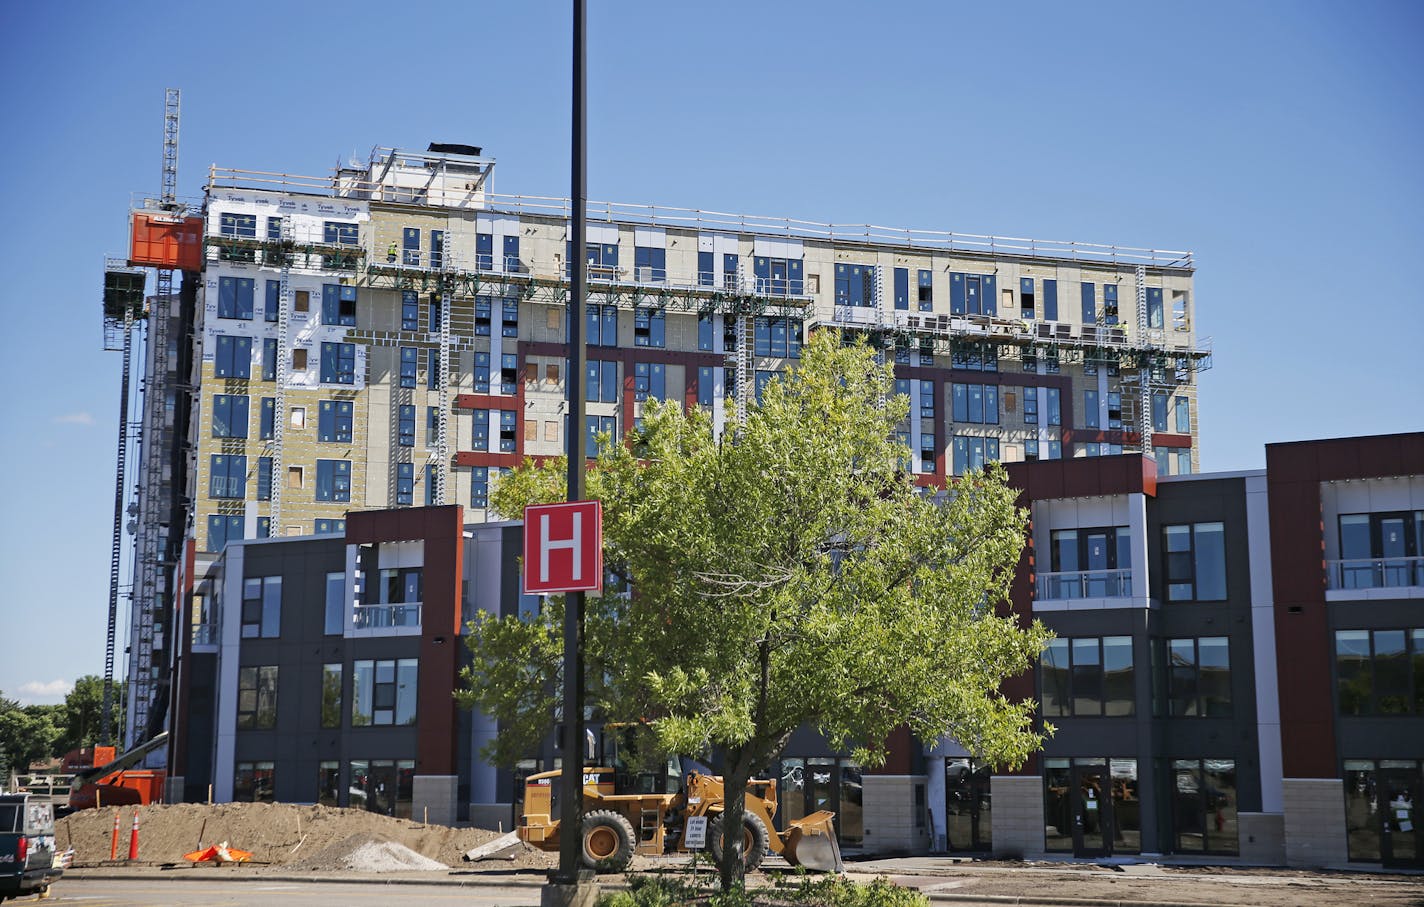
338,363
227,477
232,357
331,695
1196,562
1183,413
1090,409
334,421
235,297
1055,411
229,416
1054,665
257,697
328,783
333,480
1204,806
262,607
1362,818
334,619
253,782
338,305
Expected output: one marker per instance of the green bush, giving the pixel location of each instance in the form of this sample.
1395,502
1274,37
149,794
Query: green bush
800,890
650,891
835,891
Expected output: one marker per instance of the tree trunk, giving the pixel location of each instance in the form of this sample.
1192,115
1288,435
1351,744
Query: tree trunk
733,866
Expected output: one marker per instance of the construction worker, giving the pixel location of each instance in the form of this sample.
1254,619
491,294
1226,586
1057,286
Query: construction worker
391,252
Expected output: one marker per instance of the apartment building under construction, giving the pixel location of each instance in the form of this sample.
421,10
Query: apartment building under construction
395,334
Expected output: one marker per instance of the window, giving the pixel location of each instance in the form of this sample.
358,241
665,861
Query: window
1195,677
778,276
1026,298
1088,676
1379,550
649,327
273,303
976,403
409,366
973,453
1163,459
509,318
484,251
509,373
479,487
1050,300
1154,307
334,615
927,399
602,260
706,385
1109,303
705,276
1055,411
1090,409
926,290
432,496
1204,806
432,369
1159,412
257,698
1184,462
1379,672
902,288
405,484
481,376
1088,563
235,297
649,381
269,359
1196,562
333,480
383,692
928,452
229,416
1055,450
410,310
1030,405
405,425
329,527
432,421
237,226
334,419
338,363
508,430
221,528
264,481
339,234
596,426
511,254
855,285
1090,303
253,782
602,325
436,318
972,294
338,305
264,527
410,247
481,433
262,607
1030,450
704,331
227,477
384,786
761,379
232,357
601,382
649,265
331,695
1183,413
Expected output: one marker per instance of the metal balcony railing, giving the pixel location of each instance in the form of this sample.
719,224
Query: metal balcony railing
373,617
1084,584
1376,573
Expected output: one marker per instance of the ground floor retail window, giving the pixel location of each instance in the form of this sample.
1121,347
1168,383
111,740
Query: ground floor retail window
328,784
383,786
1204,806
968,820
1091,806
1382,809
253,782
807,785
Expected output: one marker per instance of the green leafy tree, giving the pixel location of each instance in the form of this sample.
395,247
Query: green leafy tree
84,710
29,734
786,574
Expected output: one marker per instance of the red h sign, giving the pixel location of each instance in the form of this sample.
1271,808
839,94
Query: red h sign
563,547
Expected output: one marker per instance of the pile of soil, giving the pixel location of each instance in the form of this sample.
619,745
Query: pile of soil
284,834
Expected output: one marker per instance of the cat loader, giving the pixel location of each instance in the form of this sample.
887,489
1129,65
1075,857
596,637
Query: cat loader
627,812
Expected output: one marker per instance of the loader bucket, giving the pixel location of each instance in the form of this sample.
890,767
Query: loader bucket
811,842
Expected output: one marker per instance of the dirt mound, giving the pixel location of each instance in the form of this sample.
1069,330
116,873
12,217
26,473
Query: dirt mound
309,837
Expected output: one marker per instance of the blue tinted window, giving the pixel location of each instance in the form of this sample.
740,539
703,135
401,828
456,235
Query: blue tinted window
274,300
405,425
268,418
227,477
333,480
334,421
232,357
338,305
235,297
410,311
229,416
338,363
405,484
264,479
409,366
221,529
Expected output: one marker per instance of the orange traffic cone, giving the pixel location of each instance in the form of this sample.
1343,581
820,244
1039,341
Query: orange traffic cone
133,838
114,842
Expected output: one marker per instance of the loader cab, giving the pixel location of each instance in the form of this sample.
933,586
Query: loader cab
618,750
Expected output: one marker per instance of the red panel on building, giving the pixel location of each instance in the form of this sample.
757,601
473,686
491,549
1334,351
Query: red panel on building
157,241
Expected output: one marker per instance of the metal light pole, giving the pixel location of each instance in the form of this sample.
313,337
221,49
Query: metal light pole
571,782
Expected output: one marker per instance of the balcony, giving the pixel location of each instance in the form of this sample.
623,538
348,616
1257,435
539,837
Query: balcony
1075,584
384,618
1375,573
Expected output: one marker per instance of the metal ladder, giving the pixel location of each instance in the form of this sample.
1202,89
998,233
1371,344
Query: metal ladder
1144,371
279,401
441,456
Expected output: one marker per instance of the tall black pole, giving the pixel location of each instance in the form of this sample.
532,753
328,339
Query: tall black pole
571,787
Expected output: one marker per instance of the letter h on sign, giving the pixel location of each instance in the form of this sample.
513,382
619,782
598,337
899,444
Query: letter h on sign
563,548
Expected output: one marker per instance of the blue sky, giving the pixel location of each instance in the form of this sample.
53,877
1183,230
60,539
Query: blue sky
1281,142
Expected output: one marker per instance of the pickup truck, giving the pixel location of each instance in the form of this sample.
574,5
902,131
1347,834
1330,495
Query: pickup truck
28,863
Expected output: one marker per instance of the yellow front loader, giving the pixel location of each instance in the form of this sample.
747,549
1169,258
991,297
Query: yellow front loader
624,814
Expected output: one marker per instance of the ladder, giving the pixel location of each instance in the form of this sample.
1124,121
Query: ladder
746,373
441,455
279,400
1144,371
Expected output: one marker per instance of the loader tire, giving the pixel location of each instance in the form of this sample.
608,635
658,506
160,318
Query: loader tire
607,842
753,840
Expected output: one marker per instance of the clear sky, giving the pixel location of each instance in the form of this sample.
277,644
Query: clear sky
1279,141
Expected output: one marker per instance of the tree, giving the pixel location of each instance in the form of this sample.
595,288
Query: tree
28,735
786,574
84,709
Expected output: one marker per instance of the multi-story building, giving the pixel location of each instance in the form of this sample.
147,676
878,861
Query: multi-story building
395,335
1238,673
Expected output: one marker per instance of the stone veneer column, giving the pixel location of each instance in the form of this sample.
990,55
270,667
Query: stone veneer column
892,822
1315,821
1018,816
434,796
